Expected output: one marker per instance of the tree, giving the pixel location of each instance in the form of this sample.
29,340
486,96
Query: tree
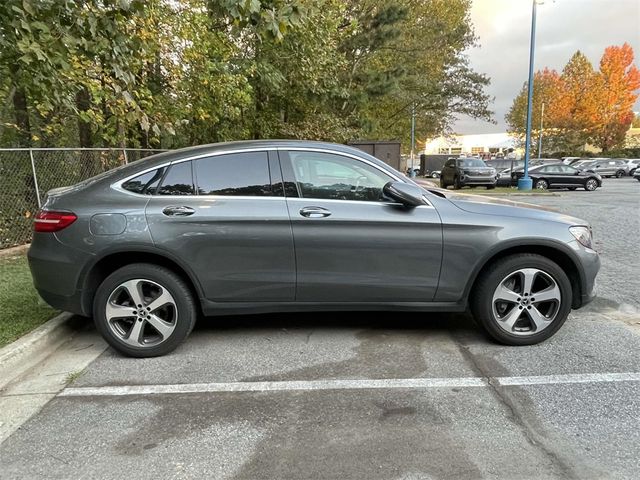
617,83
546,89
582,106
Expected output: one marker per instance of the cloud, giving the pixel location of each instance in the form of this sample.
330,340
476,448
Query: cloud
563,26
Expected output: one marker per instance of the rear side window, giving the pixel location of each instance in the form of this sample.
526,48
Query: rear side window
234,174
178,180
145,184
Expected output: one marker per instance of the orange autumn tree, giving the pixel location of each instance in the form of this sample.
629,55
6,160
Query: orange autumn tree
546,89
616,92
582,106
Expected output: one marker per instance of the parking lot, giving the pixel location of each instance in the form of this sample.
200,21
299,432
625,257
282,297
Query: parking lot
340,395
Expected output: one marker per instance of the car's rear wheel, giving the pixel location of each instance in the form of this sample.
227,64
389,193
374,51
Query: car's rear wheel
619,173
144,310
542,184
434,175
522,299
591,184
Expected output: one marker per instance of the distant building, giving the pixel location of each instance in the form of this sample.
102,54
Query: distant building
478,144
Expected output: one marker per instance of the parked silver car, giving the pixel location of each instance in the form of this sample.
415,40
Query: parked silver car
608,167
632,165
267,226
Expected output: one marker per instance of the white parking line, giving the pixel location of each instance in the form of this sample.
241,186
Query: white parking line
306,385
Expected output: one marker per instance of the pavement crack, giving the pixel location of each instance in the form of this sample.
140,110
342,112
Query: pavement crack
532,437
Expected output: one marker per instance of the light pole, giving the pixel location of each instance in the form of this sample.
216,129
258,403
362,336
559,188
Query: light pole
541,127
525,182
413,138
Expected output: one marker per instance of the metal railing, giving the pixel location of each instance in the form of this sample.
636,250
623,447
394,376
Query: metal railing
27,174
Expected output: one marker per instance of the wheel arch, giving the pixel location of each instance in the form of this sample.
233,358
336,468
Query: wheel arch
113,259
555,252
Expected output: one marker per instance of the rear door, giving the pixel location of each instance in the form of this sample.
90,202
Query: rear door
226,217
352,244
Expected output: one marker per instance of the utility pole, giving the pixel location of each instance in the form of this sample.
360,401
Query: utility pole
541,127
413,138
525,183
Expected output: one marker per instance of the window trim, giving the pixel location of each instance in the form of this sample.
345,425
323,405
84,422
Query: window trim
118,184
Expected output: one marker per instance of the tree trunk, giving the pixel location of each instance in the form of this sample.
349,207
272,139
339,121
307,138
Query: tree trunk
83,103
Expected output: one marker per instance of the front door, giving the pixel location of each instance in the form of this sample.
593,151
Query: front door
352,244
224,217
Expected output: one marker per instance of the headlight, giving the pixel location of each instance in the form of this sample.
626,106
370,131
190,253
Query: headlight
583,235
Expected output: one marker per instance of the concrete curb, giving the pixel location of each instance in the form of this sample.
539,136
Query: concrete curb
11,251
29,350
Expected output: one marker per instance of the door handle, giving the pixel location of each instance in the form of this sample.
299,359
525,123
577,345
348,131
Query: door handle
315,212
178,211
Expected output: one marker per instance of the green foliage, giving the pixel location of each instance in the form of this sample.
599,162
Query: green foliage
165,73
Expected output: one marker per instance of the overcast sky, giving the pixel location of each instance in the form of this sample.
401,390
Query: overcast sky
563,26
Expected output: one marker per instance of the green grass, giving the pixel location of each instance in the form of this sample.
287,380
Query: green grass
21,309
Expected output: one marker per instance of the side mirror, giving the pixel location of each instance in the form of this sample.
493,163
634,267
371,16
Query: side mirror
405,193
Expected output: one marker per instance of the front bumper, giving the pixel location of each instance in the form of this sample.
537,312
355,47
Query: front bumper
590,265
477,180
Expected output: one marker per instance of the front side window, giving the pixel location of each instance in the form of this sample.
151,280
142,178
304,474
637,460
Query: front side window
178,180
334,177
145,184
234,174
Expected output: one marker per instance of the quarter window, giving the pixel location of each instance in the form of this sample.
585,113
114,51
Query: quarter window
145,184
234,174
330,176
178,180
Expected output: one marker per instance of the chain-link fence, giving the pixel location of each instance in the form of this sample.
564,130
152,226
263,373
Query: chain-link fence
26,175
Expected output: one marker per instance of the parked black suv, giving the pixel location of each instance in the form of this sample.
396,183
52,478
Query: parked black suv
461,172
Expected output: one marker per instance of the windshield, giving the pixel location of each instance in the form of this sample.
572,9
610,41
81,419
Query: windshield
471,163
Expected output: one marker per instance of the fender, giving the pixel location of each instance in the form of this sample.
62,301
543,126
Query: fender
138,248
523,243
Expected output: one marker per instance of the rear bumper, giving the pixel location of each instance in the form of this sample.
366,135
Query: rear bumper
56,270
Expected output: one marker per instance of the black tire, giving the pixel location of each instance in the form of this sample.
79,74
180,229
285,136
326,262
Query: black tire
572,188
456,183
619,173
541,184
434,175
185,308
481,297
631,172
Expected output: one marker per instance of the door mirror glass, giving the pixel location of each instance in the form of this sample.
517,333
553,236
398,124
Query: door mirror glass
405,193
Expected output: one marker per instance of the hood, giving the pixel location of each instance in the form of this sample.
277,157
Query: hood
507,208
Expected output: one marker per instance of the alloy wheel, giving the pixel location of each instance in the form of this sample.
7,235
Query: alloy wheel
526,301
141,313
591,185
542,185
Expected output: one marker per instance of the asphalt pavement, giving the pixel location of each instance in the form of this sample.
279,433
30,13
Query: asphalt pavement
344,396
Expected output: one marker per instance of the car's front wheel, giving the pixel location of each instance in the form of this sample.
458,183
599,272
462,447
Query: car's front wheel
619,173
522,299
591,185
542,184
144,310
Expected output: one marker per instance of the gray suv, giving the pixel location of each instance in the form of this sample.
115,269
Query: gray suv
268,226
473,172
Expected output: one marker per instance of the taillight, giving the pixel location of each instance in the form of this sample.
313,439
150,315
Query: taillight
49,221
